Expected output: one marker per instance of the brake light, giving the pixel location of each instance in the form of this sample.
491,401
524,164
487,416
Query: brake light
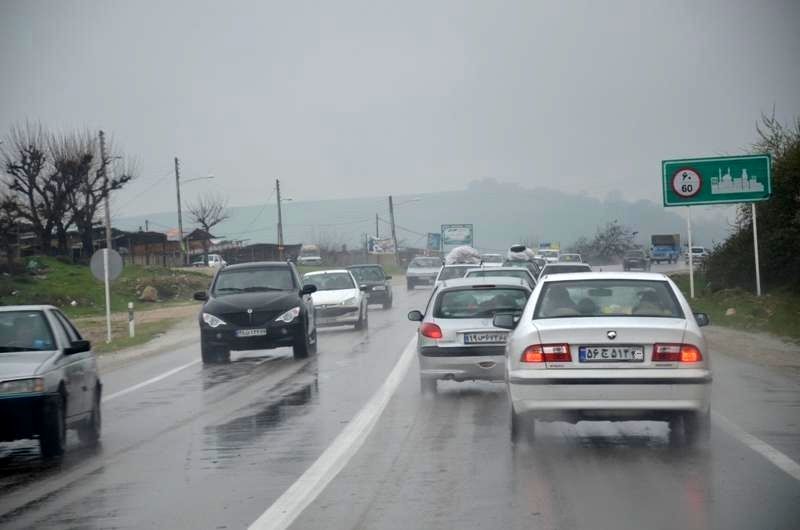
546,353
672,353
432,331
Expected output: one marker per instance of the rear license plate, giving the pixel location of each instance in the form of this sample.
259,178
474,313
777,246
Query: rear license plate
611,354
485,338
241,333
379,288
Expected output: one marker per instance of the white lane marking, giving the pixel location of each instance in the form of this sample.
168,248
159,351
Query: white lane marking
150,381
311,483
780,460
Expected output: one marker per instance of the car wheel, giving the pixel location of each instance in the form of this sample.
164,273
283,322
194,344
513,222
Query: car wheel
697,428
312,346
53,438
89,432
361,323
522,429
409,284
214,354
427,385
387,304
301,348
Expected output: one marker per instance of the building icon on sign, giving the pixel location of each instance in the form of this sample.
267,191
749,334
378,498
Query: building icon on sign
724,184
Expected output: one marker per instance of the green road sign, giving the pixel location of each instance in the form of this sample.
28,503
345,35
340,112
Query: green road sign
728,179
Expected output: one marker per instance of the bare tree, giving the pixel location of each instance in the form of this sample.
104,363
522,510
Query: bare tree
207,212
9,226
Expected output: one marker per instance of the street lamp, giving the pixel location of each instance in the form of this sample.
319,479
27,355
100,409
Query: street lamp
180,212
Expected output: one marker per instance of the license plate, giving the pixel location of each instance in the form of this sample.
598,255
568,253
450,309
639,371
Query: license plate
611,354
379,288
250,332
485,338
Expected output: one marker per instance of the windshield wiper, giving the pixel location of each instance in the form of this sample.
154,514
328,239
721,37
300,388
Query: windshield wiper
256,289
228,290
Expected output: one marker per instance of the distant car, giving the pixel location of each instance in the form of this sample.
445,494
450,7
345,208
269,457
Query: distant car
636,259
256,306
491,260
422,271
456,338
532,265
339,300
549,255
564,268
379,288
309,255
570,258
503,272
48,379
214,260
608,346
699,255
451,272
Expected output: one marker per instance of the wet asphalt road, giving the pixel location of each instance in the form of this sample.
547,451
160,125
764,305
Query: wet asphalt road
214,447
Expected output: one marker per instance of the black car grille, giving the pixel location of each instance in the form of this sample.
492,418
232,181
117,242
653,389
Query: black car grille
335,311
257,318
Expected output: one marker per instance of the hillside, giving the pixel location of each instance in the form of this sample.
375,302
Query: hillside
502,213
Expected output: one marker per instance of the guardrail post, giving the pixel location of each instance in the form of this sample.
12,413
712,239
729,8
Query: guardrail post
131,321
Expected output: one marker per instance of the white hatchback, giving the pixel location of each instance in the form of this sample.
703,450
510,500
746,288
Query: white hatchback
599,346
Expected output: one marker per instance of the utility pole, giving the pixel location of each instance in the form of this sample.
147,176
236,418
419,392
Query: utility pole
104,169
280,219
180,214
146,225
377,233
394,232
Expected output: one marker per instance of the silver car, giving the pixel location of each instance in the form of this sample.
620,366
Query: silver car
48,379
452,272
456,338
613,345
422,271
523,273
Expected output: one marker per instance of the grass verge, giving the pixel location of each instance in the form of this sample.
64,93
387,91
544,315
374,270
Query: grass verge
776,312
144,333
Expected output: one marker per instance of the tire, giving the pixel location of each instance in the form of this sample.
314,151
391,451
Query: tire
522,429
312,346
363,322
427,386
89,432
53,438
675,424
387,304
214,354
301,346
409,284
697,428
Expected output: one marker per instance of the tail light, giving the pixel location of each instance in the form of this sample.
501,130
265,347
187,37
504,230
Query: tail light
432,331
672,353
546,353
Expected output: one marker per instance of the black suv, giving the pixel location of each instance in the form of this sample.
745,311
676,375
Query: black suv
255,306
379,288
636,259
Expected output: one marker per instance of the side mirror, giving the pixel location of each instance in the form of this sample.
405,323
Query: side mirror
308,289
388,277
505,321
201,296
702,319
415,316
363,288
78,346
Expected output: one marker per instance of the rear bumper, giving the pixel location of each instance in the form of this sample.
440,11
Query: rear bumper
377,297
609,396
423,278
22,416
328,317
472,368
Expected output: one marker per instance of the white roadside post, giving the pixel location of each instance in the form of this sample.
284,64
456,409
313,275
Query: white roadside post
755,248
107,282
131,321
691,261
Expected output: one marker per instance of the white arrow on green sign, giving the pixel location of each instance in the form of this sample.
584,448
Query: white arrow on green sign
729,179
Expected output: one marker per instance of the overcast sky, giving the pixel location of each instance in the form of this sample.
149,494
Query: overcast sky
345,99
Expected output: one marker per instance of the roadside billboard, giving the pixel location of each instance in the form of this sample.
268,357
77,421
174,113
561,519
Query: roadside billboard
434,241
380,246
456,235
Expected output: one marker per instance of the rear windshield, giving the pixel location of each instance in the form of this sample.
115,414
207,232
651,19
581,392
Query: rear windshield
570,257
333,281
561,269
448,273
426,263
518,273
597,298
480,302
368,274
25,331
231,281
492,258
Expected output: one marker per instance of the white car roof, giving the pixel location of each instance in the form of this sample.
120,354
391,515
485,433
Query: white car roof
497,269
498,280
572,276
26,308
320,273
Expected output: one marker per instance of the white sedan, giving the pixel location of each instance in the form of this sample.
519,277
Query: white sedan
599,346
338,300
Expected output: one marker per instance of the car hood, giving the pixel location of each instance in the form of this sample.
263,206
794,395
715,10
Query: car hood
423,270
261,301
22,364
333,297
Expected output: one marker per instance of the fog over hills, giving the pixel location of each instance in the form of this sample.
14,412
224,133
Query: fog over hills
502,213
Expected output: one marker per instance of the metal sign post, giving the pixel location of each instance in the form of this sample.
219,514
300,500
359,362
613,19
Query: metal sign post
108,295
106,266
691,261
755,248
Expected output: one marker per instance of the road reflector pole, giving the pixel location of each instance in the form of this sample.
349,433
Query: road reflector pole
691,261
131,321
107,282
755,248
